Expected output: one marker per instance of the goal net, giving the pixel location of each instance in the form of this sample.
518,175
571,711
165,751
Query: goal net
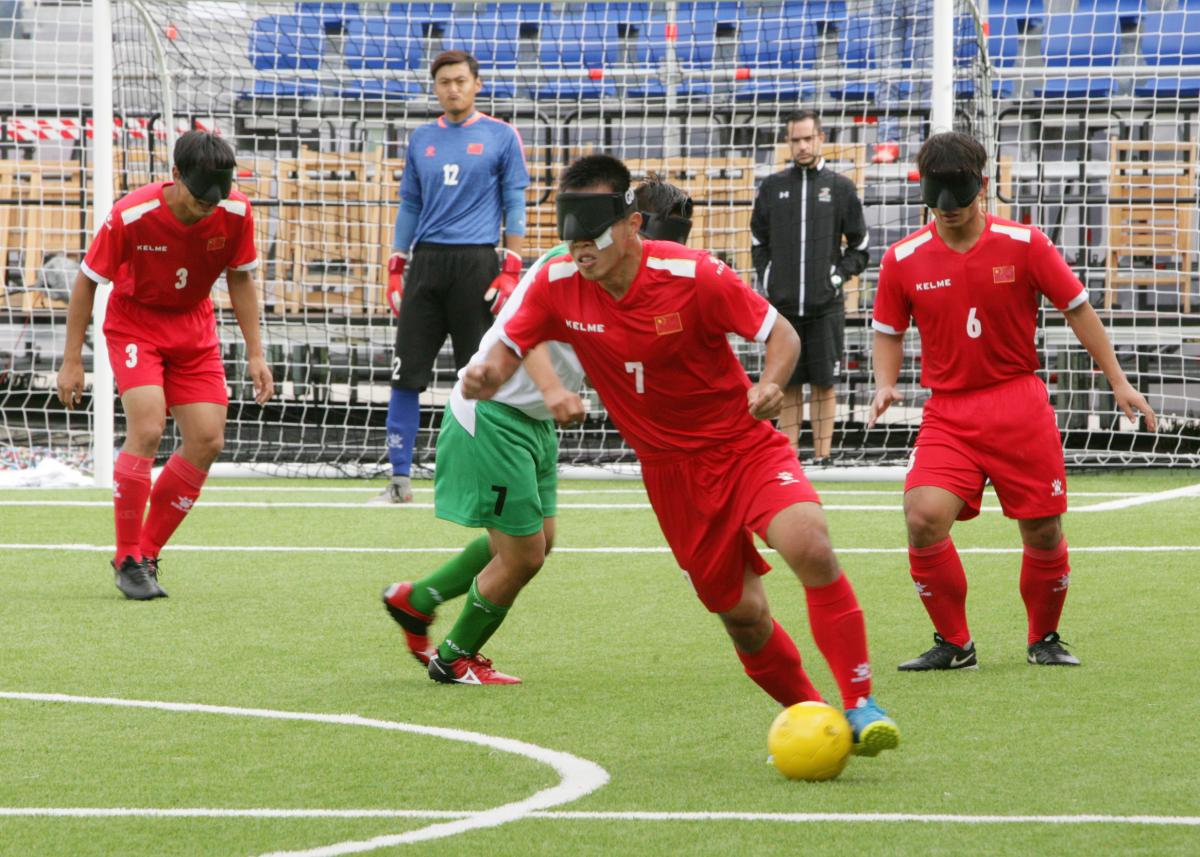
319,100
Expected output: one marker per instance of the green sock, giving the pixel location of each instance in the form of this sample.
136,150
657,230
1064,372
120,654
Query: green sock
452,579
478,621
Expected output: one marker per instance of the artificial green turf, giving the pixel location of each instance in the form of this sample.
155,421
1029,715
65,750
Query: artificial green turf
622,666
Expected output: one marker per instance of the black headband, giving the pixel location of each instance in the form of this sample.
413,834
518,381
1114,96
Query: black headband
951,191
210,186
585,216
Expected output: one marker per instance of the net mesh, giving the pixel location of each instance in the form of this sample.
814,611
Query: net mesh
320,98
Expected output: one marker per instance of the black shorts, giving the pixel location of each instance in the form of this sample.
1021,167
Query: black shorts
443,294
821,342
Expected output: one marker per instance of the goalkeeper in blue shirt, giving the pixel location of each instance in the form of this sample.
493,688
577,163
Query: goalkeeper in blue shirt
463,173
497,467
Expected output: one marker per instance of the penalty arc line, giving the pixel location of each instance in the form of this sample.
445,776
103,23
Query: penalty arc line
569,815
579,776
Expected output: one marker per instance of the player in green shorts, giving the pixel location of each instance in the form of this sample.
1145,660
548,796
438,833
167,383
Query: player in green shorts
497,468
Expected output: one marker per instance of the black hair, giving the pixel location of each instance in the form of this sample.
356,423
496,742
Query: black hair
200,150
656,196
453,58
801,115
592,170
952,152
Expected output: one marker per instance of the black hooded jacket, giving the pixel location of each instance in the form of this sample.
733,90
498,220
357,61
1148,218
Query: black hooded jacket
800,216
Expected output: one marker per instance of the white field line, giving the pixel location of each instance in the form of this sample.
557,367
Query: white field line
579,776
567,815
1157,497
401,507
367,492
616,550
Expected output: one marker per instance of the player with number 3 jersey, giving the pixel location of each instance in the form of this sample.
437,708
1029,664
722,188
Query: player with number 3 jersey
649,321
163,247
973,283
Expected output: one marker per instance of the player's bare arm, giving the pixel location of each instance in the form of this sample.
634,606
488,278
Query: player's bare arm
566,405
245,309
482,380
1092,336
783,350
79,313
887,354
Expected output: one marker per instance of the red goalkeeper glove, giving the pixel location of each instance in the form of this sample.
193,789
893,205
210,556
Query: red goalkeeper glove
395,282
505,283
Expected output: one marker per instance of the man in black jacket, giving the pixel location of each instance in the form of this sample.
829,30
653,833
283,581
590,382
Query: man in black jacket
801,216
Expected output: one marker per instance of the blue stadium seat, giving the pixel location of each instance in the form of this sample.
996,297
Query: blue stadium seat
494,43
385,44
1004,49
1170,39
822,13
856,51
695,42
1081,39
577,42
627,16
332,16
1026,15
1129,11
428,17
766,46
286,43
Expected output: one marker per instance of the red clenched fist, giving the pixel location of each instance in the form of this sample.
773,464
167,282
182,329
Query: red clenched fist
395,284
505,283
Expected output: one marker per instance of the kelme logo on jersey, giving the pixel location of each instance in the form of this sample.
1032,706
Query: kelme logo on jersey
824,195
584,326
152,248
935,284
1004,274
668,324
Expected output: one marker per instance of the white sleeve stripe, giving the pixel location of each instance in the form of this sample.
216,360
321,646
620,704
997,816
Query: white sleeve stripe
885,328
92,275
768,322
865,241
249,266
516,348
1079,299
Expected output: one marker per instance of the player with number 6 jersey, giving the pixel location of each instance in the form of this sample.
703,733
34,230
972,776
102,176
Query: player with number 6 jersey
973,283
649,321
163,247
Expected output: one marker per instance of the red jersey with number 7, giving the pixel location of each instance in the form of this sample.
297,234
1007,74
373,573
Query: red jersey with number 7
976,311
154,259
660,356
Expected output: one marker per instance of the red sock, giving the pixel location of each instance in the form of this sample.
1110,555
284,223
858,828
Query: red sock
131,487
942,584
841,635
1045,576
776,668
175,492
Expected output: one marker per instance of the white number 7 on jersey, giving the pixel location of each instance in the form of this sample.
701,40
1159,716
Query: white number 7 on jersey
638,380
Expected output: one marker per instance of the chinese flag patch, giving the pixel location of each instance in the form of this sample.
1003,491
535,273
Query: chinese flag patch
669,323
430,151
474,148
217,243
1004,274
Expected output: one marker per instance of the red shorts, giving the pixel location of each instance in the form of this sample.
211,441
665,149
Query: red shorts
178,351
709,504
1006,434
